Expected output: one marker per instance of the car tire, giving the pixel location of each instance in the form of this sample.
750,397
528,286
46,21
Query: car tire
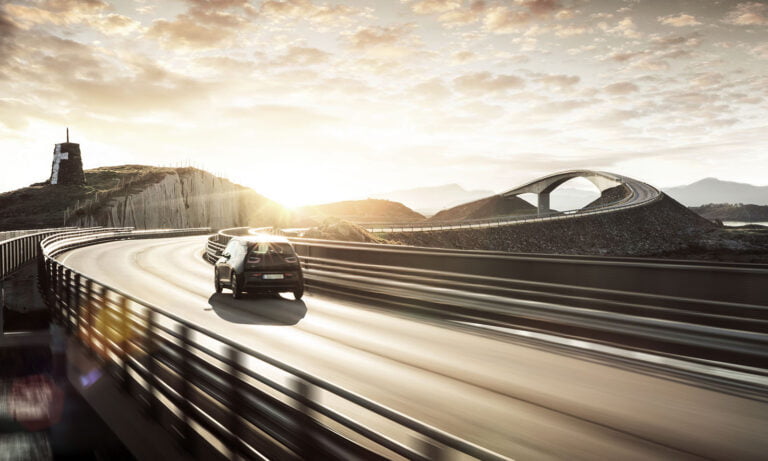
236,293
298,292
217,283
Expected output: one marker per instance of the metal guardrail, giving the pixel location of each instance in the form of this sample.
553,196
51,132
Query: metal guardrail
695,309
20,250
206,386
10,234
641,194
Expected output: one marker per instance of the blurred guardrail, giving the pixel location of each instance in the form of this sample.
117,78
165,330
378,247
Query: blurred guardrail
640,194
7,235
22,247
209,389
694,309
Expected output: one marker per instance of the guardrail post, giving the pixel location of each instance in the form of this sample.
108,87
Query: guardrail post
124,345
235,398
302,429
57,293
88,340
150,346
78,303
68,302
97,312
186,432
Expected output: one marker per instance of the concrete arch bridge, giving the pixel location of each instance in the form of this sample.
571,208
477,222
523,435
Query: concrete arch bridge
635,193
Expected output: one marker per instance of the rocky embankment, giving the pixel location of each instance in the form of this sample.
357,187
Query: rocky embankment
336,229
611,195
662,226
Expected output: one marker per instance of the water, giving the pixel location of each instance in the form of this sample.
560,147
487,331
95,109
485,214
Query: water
742,223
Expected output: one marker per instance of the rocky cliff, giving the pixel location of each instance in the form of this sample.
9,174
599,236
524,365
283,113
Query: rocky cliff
188,198
142,197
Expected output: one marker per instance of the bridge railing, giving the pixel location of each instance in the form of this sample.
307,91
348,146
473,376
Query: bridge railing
205,386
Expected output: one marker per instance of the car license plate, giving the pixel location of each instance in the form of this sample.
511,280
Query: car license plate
273,276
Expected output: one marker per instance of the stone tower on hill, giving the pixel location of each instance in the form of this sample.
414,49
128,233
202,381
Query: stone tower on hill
67,165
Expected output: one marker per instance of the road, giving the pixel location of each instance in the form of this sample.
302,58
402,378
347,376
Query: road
521,401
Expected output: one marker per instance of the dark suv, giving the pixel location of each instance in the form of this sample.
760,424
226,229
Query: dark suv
259,263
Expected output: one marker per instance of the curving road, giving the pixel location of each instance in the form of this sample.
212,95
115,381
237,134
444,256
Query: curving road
521,401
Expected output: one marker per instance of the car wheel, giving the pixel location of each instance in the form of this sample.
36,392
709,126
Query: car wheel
217,283
298,292
236,293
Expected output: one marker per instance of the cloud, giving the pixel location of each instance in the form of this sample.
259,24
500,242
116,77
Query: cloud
506,19
434,6
197,29
432,90
748,14
621,88
385,42
8,32
463,16
485,82
760,51
503,20
572,30
302,56
114,24
680,20
59,12
461,57
559,81
626,27
368,37
307,10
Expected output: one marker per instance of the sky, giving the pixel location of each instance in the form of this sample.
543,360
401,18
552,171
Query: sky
310,101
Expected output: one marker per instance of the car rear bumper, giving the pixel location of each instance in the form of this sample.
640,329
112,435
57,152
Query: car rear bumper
259,282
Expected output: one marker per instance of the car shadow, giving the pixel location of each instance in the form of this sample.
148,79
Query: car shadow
262,309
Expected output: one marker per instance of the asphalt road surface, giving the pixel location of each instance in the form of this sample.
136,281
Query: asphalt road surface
523,402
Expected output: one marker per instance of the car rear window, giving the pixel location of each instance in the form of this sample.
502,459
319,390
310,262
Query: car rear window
264,247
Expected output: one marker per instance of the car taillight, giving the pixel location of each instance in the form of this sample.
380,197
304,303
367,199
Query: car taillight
291,259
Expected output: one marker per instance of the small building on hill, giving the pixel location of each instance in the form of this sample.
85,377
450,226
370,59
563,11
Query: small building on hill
67,167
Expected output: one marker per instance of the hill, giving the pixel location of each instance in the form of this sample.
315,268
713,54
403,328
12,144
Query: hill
139,196
429,200
488,207
733,212
336,229
712,190
360,211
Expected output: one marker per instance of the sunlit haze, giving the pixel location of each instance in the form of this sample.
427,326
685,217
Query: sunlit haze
310,101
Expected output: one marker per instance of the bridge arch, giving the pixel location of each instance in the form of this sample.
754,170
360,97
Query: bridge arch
542,187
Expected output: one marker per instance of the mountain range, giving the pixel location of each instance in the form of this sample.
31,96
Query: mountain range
713,190
429,200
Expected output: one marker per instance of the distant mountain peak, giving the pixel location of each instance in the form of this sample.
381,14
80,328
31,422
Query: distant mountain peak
714,190
430,199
